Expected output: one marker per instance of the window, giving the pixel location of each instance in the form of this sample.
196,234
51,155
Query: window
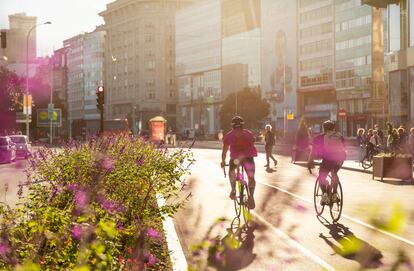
171,109
150,65
149,38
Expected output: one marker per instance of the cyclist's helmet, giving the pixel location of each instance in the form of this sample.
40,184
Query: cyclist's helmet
328,125
237,122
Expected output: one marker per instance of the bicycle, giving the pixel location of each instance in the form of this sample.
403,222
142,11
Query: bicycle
242,196
367,161
335,208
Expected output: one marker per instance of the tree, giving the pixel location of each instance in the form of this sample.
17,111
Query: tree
251,107
11,98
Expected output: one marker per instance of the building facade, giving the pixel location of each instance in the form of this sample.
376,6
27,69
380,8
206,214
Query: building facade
316,77
401,63
241,45
93,68
198,66
14,56
354,65
140,60
218,53
85,66
279,60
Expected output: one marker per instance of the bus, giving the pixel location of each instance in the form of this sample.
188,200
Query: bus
116,126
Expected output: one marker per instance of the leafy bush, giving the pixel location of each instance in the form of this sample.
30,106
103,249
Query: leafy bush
93,206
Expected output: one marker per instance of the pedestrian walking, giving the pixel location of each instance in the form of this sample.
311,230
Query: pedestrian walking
392,140
402,140
269,143
380,132
411,141
361,137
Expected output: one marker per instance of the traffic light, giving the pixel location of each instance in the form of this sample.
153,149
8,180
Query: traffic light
100,97
3,39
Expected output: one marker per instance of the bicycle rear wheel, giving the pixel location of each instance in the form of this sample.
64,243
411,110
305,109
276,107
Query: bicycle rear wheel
238,200
336,207
317,196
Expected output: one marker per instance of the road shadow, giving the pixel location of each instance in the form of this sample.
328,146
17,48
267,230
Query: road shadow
226,251
349,246
234,251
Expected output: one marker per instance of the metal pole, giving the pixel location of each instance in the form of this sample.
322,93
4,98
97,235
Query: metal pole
284,122
26,106
51,102
236,104
27,77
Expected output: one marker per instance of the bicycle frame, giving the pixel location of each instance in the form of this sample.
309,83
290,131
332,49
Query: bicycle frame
242,193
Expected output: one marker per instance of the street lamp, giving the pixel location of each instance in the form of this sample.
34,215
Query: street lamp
27,74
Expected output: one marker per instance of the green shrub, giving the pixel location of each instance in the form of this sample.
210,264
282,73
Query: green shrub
93,206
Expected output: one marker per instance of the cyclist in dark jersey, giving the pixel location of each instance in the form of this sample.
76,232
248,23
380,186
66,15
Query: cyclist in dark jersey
242,150
330,147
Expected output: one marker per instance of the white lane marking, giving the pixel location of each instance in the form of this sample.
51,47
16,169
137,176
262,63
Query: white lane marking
283,235
177,256
402,239
295,244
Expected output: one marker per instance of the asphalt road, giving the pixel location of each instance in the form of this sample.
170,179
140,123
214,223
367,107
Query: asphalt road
10,176
375,230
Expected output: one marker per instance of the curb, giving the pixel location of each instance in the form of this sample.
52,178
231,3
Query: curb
177,257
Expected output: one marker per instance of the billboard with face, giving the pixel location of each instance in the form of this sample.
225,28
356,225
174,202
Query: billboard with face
279,54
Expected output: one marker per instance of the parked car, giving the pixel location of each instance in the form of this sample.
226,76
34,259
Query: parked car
7,150
23,146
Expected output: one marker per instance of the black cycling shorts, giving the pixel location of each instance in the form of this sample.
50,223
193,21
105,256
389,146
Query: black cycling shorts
248,165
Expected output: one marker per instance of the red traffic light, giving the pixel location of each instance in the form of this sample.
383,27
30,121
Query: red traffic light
100,89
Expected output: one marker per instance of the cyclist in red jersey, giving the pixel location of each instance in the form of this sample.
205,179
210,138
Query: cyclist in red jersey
242,152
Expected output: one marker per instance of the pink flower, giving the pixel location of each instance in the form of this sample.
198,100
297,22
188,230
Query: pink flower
108,164
153,233
151,259
80,199
218,257
4,249
77,232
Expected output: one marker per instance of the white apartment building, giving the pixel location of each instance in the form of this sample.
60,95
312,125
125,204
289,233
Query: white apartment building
85,58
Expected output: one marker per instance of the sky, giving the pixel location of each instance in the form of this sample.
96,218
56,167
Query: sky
68,17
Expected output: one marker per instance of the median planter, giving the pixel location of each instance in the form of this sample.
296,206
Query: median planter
392,166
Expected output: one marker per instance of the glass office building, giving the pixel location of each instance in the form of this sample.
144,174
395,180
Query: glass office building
401,63
198,67
353,65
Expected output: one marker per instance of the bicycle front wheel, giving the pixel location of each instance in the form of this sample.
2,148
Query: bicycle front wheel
336,207
367,162
317,196
247,217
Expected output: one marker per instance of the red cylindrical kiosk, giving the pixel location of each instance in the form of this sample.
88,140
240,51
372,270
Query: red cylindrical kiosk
157,129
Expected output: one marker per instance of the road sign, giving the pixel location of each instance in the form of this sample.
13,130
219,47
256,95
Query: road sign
21,117
290,116
43,117
342,112
27,104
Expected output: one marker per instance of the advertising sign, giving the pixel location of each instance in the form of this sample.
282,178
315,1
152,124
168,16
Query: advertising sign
43,117
279,52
